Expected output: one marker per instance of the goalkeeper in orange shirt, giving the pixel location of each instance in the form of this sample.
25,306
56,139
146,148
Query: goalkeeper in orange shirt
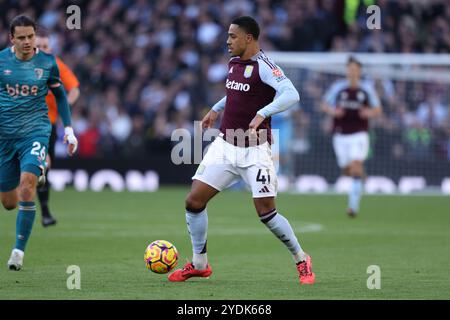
71,85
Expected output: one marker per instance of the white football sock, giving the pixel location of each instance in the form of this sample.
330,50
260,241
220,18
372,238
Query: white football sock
355,194
197,224
300,256
281,227
200,260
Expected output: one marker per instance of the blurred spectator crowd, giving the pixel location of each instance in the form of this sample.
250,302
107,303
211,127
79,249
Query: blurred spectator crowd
149,67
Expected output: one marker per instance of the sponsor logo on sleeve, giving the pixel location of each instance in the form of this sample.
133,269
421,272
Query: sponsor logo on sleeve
278,74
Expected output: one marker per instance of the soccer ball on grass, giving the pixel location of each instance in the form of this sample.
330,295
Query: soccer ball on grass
161,256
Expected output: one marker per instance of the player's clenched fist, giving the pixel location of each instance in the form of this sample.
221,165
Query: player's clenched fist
69,137
209,120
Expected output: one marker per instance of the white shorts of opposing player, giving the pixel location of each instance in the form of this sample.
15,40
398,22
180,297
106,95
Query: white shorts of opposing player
225,164
350,147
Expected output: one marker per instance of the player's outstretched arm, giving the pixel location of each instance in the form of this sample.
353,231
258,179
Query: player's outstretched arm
286,94
55,85
64,112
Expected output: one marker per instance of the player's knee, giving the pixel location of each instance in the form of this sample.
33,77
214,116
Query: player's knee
194,204
356,170
26,194
263,211
264,206
27,189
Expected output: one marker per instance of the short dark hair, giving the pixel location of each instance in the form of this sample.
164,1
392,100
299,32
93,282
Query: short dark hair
352,59
21,21
248,24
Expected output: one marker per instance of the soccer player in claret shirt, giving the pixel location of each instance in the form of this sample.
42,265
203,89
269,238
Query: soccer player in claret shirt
256,88
71,85
26,74
352,103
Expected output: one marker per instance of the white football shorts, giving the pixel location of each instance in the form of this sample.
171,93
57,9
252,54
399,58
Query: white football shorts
225,164
350,147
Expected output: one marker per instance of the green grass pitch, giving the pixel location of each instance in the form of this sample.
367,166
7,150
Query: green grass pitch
106,233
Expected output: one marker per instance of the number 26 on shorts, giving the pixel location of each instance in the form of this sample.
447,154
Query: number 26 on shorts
35,150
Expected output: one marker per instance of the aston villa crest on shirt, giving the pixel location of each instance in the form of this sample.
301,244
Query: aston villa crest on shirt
39,73
248,71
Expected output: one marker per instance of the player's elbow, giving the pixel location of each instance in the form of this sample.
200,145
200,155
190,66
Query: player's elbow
294,96
57,91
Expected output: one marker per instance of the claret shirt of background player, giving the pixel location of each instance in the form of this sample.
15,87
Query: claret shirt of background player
250,86
351,100
23,88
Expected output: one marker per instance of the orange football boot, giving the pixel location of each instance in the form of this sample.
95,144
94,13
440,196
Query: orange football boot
189,271
305,273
